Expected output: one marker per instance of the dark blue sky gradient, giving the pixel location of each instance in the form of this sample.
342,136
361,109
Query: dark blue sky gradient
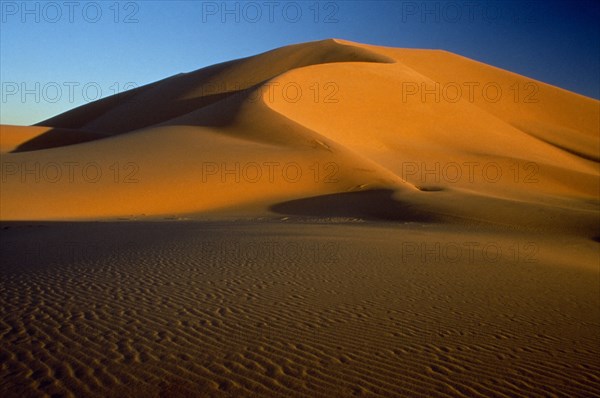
106,48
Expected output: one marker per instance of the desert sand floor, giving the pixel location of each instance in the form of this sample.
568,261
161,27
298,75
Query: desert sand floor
296,307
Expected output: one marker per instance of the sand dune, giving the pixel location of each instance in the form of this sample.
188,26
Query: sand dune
324,219
349,110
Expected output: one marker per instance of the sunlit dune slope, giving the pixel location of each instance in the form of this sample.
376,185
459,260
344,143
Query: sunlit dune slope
449,137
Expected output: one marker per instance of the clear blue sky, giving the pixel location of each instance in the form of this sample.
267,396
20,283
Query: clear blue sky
63,54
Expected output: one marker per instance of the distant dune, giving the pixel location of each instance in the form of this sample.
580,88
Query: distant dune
448,135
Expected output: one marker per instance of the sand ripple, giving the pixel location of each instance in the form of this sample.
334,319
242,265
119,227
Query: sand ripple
173,310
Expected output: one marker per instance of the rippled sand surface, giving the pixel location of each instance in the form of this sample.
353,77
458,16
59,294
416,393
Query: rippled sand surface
274,308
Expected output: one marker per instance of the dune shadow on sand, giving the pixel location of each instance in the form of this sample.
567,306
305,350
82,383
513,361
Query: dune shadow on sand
57,137
376,204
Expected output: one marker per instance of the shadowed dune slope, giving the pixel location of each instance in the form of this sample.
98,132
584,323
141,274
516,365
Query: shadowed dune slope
253,135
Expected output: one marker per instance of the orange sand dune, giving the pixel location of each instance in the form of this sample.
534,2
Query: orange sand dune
326,219
315,119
